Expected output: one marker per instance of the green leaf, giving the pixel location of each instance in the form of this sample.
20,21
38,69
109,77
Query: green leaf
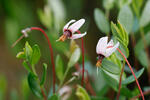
145,19
101,21
131,79
74,57
125,92
21,55
54,97
82,94
110,78
59,67
45,16
108,4
110,67
44,74
26,66
34,86
99,98
126,18
36,54
28,52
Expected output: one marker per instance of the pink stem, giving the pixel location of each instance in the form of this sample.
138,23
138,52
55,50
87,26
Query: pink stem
132,73
51,51
82,81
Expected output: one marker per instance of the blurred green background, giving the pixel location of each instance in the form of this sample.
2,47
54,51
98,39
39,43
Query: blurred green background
51,15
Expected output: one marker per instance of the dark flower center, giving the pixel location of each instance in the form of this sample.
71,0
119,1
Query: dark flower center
100,57
68,33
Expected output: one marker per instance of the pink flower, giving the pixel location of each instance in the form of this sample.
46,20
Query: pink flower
105,49
69,30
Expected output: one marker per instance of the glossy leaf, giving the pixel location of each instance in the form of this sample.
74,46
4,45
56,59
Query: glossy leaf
44,74
110,67
145,19
59,67
101,21
28,52
36,54
82,94
26,66
54,97
131,79
33,84
74,57
126,18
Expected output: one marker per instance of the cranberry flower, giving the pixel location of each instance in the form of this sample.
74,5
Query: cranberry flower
69,30
105,49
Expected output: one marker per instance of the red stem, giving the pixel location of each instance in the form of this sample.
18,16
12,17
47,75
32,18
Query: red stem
120,81
51,52
82,81
132,73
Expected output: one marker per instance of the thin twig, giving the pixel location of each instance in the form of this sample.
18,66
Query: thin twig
120,81
51,51
132,73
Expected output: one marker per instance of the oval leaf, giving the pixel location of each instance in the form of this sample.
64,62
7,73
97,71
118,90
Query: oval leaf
126,18
44,74
36,54
34,86
101,21
28,52
110,67
74,57
59,67
145,19
82,94
131,79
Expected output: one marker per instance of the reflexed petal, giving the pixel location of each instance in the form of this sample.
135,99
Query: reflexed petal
101,45
66,26
110,43
76,36
109,51
75,26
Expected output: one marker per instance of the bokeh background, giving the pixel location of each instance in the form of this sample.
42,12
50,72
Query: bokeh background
16,15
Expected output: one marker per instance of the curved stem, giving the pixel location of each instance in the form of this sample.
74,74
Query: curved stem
82,81
51,52
120,81
132,73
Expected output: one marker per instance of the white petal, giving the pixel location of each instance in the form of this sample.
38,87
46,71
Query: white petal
76,36
110,43
109,51
66,26
101,45
74,27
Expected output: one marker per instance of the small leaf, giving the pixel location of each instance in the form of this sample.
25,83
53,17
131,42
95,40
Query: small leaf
82,94
131,79
44,74
36,54
145,19
59,68
110,67
126,18
28,52
21,55
101,21
33,84
26,66
74,57
54,97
